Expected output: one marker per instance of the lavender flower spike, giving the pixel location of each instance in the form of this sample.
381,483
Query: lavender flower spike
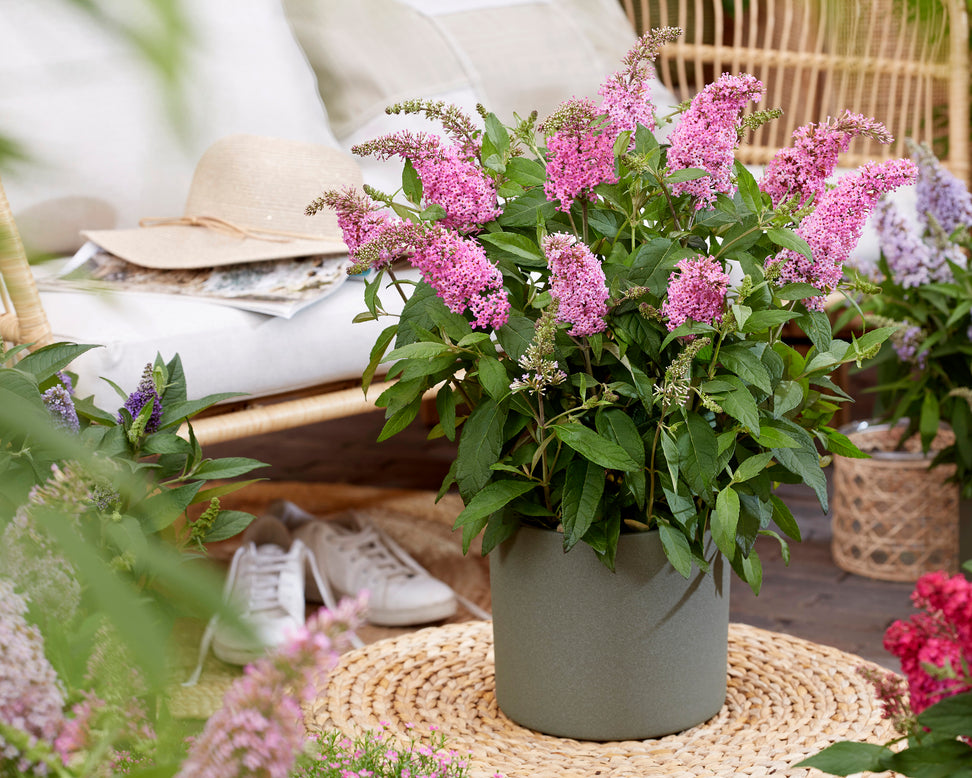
144,392
61,406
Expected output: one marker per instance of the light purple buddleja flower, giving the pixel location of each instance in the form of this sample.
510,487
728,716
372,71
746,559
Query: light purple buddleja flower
696,291
834,227
802,170
627,93
577,283
61,407
708,134
461,274
580,153
145,392
31,696
911,261
65,379
906,342
940,193
259,729
450,176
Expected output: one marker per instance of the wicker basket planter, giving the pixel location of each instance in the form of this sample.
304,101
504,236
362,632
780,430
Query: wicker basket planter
894,519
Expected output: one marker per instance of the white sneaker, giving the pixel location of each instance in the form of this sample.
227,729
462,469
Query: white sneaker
356,556
265,583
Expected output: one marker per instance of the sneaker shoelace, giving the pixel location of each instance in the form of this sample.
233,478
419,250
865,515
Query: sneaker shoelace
376,558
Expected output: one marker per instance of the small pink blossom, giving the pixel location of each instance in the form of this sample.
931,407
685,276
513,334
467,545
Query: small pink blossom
577,283
359,218
802,170
580,153
697,292
708,134
833,229
449,174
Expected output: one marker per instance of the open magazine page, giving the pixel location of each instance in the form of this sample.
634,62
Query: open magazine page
278,287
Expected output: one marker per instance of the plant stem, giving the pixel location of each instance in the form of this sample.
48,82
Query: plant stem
395,282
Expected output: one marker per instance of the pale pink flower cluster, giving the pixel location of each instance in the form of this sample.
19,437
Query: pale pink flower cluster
627,93
31,696
708,134
450,176
802,170
696,292
833,229
359,218
259,729
580,153
461,274
939,637
577,283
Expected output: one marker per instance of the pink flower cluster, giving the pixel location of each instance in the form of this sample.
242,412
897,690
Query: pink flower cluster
708,134
31,697
940,637
802,170
697,292
359,218
259,729
449,174
580,153
833,229
577,283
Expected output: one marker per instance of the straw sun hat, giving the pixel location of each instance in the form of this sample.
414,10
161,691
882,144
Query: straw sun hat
246,203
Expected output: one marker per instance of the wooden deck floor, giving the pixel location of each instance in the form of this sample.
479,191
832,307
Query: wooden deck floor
811,599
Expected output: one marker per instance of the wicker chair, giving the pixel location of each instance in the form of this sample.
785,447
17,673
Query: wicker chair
819,57
814,60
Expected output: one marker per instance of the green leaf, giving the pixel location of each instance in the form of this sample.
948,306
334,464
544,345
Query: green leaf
751,571
787,396
517,245
772,437
594,447
816,324
227,467
950,716
493,377
805,464
686,174
583,487
752,467
676,548
159,511
788,239
485,502
758,321
445,406
411,183
738,402
846,758
698,454
798,290
749,192
418,350
525,171
725,520
377,354
616,425
227,524
929,419
46,361
838,443
497,133
744,362
176,413
941,759
399,419
479,447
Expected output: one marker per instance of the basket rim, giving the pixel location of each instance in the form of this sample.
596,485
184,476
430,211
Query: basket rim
865,426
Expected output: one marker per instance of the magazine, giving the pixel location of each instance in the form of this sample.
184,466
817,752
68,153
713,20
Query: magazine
278,287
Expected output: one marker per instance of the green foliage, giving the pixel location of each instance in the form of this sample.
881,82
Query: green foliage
635,427
938,748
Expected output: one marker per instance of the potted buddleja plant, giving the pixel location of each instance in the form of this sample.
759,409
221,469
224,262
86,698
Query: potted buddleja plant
602,314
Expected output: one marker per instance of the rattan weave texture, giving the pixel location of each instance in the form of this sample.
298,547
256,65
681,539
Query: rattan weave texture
787,698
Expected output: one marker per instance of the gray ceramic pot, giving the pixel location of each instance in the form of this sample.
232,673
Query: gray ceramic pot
585,653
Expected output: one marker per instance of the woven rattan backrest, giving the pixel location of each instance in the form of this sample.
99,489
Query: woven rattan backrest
23,319
819,57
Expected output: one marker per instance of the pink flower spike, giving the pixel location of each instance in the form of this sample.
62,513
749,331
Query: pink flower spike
577,283
696,292
580,153
707,136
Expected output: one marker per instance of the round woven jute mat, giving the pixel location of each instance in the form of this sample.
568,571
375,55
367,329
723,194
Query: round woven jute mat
787,698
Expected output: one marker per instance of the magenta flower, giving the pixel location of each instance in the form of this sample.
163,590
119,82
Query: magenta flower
461,274
450,177
940,636
259,729
708,134
696,292
627,93
577,283
580,153
360,220
802,170
835,226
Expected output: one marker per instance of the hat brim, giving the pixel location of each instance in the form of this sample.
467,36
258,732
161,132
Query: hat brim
171,247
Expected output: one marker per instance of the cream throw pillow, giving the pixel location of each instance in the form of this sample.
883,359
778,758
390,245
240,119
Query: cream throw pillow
509,55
